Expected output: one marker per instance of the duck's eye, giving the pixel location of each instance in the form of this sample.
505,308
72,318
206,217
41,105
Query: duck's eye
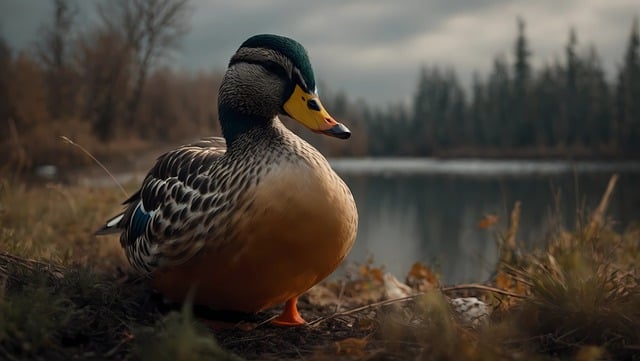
313,105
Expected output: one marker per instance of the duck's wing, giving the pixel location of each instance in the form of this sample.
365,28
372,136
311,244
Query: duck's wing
162,222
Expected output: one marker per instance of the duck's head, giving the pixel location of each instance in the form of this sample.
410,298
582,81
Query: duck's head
271,75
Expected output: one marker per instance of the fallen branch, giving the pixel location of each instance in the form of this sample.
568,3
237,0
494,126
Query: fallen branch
407,298
475,286
364,308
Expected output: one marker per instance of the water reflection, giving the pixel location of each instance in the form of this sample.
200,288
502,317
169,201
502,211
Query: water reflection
407,217
427,210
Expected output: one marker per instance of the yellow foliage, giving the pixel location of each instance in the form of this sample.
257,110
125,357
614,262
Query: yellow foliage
421,277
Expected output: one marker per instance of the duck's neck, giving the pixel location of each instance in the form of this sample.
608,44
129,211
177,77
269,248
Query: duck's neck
235,124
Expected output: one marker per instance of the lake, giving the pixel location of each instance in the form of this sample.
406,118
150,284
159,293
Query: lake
428,210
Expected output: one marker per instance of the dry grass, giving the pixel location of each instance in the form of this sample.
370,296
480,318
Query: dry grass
82,314
585,290
56,223
72,299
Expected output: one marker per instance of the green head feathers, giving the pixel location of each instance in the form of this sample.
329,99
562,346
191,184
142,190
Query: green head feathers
289,48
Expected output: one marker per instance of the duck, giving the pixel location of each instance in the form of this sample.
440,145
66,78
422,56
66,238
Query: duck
254,219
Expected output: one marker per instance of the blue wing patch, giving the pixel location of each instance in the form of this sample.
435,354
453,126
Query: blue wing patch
139,221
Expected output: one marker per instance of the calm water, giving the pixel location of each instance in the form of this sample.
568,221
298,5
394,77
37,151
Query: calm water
428,210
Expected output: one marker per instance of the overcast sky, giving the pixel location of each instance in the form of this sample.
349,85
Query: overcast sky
373,49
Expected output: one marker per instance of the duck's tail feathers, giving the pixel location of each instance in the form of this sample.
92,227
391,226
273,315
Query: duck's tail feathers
111,226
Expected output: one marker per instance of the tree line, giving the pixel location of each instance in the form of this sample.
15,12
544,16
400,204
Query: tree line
109,86
566,108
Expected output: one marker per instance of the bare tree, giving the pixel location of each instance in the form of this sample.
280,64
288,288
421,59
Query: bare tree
53,50
151,29
105,67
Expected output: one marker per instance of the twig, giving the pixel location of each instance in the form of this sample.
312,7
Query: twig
85,151
475,286
364,308
247,339
407,298
266,321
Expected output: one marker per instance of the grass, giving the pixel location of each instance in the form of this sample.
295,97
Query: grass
81,314
55,223
66,295
585,290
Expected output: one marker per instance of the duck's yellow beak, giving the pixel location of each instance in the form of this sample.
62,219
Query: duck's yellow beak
306,108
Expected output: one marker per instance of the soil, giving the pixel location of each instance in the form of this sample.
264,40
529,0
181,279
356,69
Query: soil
105,321
272,342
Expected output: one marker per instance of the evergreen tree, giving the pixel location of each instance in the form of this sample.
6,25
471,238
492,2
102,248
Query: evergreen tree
522,68
478,121
499,126
570,108
521,124
422,125
439,110
546,106
595,102
628,94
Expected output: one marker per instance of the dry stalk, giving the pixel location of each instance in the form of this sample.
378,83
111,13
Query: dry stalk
7,260
85,151
597,217
508,242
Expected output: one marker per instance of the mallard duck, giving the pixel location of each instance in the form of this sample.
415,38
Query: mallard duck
253,220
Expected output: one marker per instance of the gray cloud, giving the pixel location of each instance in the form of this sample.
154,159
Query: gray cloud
20,20
373,48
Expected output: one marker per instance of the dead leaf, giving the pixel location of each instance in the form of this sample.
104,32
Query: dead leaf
488,221
373,273
506,282
421,277
352,346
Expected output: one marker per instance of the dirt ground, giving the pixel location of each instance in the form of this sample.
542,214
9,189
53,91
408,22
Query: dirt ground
52,313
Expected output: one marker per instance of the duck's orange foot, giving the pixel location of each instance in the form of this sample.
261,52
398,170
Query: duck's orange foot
290,316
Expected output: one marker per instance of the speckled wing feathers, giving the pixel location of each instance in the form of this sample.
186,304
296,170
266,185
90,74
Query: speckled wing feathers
172,201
